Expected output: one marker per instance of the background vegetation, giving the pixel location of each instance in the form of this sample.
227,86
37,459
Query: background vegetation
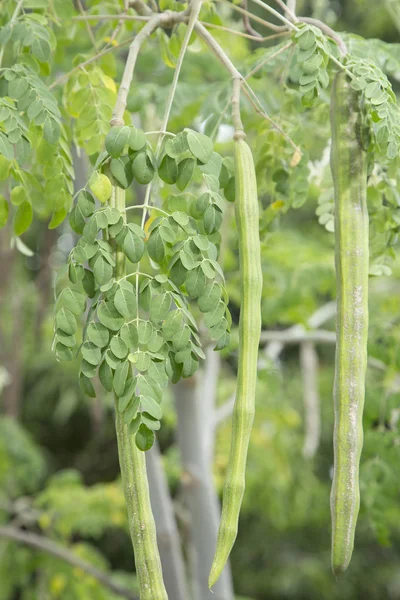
59,473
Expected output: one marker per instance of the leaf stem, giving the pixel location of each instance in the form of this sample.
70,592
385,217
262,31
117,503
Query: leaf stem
149,208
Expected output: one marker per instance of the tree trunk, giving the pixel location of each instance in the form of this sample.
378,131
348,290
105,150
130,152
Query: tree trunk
195,421
168,539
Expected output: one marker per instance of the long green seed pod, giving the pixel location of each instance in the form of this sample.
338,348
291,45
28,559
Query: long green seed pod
249,336
349,171
136,489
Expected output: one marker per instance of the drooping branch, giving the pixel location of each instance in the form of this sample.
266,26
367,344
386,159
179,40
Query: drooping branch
43,544
134,49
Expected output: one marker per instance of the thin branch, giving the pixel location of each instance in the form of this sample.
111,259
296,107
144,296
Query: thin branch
321,315
246,22
253,17
87,25
217,50
111,18
286,10
140,7
248,91
327,30
195,7
11,25
87,62
291,6
312,416
266,60
120,105
42,543
276,14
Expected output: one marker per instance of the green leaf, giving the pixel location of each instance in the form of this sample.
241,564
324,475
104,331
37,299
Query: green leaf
118,347
86,386
172,323
181,338
181,218
102,271
190,366
91,353
159,307
74,300
51,130
151,406
200,146
88,369
86,203
145,331
212,220
137,139
215,315
178,273
121,168
142,168
109,316
168,170
100,186
4,209
210,297
129,334
66,340
186,169
63,352
23,218
176,146
116,140
125,302
120,377
156,247
41,49
106,376
144,438
66,321
195,282
153,424
98,334
133,246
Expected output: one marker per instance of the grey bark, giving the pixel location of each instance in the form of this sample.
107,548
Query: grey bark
167,532
195,420
312,416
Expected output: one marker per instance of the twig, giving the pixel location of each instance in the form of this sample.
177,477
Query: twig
248,91
87,25
276,14
217,50
225,60
42,543
291,6
323,314
111,18
277,28
87,62
140,7
11,25
266,60
286,10
327,30
246,22
312,417
120,105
